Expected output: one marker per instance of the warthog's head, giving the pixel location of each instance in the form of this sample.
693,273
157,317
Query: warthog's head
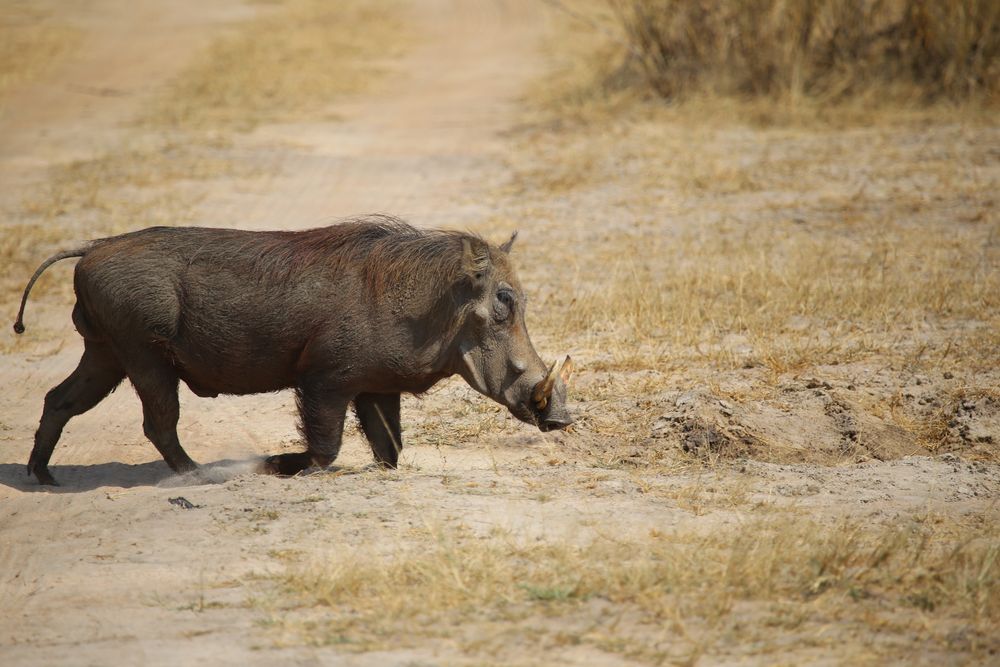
496,356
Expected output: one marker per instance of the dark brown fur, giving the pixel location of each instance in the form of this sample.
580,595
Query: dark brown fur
352,313
387,248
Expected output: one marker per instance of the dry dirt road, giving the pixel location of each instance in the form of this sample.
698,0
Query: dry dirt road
105,570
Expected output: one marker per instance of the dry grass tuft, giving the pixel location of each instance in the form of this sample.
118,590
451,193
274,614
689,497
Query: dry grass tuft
681,592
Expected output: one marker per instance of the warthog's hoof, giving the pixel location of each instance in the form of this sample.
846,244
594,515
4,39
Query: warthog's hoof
42,474
183,466
286,465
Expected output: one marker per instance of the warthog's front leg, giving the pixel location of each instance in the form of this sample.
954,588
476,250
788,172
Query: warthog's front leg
379,417
322,425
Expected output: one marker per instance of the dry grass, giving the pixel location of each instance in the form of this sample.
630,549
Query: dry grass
827,50
30,43
752,242
679,594
819,63
792,296
288,64
108,184
815,247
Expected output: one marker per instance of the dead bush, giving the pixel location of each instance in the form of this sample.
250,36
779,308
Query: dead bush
827,49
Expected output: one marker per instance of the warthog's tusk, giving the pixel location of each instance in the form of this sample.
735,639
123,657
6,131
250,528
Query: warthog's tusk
566,370
543,390
470,364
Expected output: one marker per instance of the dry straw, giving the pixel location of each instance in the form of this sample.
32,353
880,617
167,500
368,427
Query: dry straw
827,49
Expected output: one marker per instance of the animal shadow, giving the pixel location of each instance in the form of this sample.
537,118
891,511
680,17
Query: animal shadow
79,478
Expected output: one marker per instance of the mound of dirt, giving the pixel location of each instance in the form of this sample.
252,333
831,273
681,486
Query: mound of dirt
807,421
974,425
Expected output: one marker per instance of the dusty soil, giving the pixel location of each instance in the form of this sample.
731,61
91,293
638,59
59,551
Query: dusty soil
110,565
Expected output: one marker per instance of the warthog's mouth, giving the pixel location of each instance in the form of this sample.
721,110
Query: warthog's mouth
553,424
551,419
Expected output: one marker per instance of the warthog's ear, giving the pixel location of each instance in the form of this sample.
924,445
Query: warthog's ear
509,244
475,258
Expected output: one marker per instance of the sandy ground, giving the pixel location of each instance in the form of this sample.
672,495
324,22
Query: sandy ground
105,568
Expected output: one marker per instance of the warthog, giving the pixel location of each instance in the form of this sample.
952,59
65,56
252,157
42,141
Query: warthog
358,312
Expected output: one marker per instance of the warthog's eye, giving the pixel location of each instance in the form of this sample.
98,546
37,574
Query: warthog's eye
504,304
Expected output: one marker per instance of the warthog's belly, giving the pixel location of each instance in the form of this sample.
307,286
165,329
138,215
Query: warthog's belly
210,376
249,384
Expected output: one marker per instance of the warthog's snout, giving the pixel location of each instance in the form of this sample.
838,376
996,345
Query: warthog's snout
555,422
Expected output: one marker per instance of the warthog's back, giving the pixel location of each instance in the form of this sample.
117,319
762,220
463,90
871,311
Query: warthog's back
232,310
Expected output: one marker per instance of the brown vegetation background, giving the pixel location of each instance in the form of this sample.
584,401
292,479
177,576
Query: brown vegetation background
830,50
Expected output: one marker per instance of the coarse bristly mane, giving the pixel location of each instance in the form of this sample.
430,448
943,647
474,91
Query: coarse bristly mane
391,250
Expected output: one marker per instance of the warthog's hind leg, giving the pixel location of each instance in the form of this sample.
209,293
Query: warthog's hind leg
97,374
156,383
322,426
379,417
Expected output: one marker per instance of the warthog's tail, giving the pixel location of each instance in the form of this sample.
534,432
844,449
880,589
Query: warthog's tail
65,254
